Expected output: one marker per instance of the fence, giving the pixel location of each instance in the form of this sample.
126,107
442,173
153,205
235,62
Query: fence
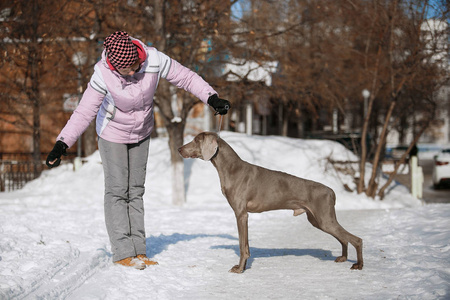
16,169
15,174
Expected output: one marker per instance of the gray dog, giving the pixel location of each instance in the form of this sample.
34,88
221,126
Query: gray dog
250,188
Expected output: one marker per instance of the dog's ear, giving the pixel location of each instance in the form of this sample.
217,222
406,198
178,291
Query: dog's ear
209,147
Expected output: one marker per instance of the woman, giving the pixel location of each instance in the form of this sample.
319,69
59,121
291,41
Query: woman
120,94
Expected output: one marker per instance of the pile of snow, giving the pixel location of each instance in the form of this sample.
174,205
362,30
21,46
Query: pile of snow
54,243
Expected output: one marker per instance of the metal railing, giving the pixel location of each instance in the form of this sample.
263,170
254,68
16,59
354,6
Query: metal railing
16,169
14,174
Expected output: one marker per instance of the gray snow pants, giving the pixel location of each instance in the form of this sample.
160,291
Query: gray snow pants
124,166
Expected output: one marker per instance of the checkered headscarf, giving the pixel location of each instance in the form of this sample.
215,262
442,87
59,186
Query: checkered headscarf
122,53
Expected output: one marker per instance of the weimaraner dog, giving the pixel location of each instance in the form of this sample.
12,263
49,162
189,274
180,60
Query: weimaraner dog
250,188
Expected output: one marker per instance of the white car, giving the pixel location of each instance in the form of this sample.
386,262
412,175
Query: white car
441,169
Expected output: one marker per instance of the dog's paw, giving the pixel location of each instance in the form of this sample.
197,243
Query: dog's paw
236,270
341,259
357,266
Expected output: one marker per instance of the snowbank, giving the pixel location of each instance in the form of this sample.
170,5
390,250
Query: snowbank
54,245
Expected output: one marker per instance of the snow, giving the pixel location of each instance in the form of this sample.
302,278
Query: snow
251,70
54,245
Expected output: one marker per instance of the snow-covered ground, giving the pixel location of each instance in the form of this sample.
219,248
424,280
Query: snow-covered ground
54,245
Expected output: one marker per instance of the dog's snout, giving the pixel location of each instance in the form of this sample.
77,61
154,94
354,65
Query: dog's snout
185,153
180,150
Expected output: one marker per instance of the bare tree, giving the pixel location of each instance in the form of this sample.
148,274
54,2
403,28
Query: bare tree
24,38
39,39
181,31
329,51
398,68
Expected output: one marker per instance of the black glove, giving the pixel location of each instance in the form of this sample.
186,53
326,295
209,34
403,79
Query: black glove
54,157
221,106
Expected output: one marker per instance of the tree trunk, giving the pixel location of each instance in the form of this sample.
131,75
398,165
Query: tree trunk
284,120
402,159
90,140
362,165
372,186
176,131
33,64
280,119
159,25
36,112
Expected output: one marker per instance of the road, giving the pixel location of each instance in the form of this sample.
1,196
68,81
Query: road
430,194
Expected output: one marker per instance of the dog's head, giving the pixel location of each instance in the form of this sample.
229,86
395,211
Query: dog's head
203,146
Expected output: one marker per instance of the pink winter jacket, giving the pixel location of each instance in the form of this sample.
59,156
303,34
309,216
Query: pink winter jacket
124,104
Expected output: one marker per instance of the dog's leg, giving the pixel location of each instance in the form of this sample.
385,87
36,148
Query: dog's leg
242,224
344,237
358,244
344,255
330,225
344,243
